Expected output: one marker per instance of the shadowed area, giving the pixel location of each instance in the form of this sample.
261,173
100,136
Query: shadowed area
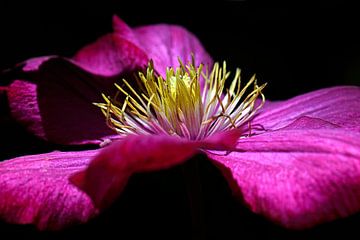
63,93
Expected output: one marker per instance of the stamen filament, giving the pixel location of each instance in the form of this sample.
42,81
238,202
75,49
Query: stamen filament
178,106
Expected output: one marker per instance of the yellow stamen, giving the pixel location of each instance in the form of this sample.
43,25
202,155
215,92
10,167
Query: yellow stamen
177,105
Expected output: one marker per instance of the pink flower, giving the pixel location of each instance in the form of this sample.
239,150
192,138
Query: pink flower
299,166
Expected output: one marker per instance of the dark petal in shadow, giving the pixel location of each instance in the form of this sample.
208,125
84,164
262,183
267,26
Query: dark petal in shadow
65,93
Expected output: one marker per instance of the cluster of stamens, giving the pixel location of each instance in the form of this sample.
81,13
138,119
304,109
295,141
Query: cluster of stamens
189,102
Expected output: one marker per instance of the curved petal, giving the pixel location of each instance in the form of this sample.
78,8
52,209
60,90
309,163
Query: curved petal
54,97
35,190
111,55
166,43
336,105
124,30
297,178
55,103
109,171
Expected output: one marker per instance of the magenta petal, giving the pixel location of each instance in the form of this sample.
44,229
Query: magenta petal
337,105
297,178
54,98
121,28
109,171
55,103
165,43
33,64
35,190
111,55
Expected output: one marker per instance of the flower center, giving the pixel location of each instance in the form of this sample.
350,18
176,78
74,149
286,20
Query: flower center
178,105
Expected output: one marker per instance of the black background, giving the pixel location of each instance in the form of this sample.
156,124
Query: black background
295,49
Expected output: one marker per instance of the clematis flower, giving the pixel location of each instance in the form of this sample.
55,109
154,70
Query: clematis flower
295,161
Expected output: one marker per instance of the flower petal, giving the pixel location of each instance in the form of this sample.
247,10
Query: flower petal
54,88
35,190
124,30
55,103
336,105
111,55
297,178
109,171
53,98
166,43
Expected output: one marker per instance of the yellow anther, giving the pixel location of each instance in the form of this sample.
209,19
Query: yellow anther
177,105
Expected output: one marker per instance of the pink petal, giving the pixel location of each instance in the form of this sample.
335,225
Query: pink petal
336,105
109,171
54,100
55,103
24,106
165,43
111,55
121,28
34,63
297,178
35,190
60,89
